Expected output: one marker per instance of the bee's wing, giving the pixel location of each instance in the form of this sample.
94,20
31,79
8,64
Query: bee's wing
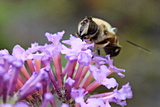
144,49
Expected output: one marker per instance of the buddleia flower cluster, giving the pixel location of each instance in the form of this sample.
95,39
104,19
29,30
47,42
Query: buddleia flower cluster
35,77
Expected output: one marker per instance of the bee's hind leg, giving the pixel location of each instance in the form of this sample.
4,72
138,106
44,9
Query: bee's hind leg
99,49
112,50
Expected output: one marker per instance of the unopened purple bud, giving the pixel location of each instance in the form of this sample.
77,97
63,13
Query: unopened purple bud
21,104
30,86
46,60
30,80
38,86
70,81
43,73
30,89
64,105
41,76
48,96
6,105
6,77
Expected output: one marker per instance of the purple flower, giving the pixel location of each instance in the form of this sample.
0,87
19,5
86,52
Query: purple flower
76,49
102,60
76,93
101,74
55,38
4,52
96,102
33,76
84,57
121,95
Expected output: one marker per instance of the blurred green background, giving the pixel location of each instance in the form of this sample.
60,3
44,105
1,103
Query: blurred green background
26,21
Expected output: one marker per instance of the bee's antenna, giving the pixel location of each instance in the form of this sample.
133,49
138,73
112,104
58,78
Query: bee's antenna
144,49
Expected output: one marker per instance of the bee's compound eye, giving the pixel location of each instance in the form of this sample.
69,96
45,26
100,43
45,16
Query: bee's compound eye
84,22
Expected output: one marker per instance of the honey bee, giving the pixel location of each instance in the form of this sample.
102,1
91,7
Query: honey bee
100,32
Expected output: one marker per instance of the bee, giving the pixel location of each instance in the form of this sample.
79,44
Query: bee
100,32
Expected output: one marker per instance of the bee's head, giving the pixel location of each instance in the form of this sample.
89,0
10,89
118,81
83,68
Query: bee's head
87,27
